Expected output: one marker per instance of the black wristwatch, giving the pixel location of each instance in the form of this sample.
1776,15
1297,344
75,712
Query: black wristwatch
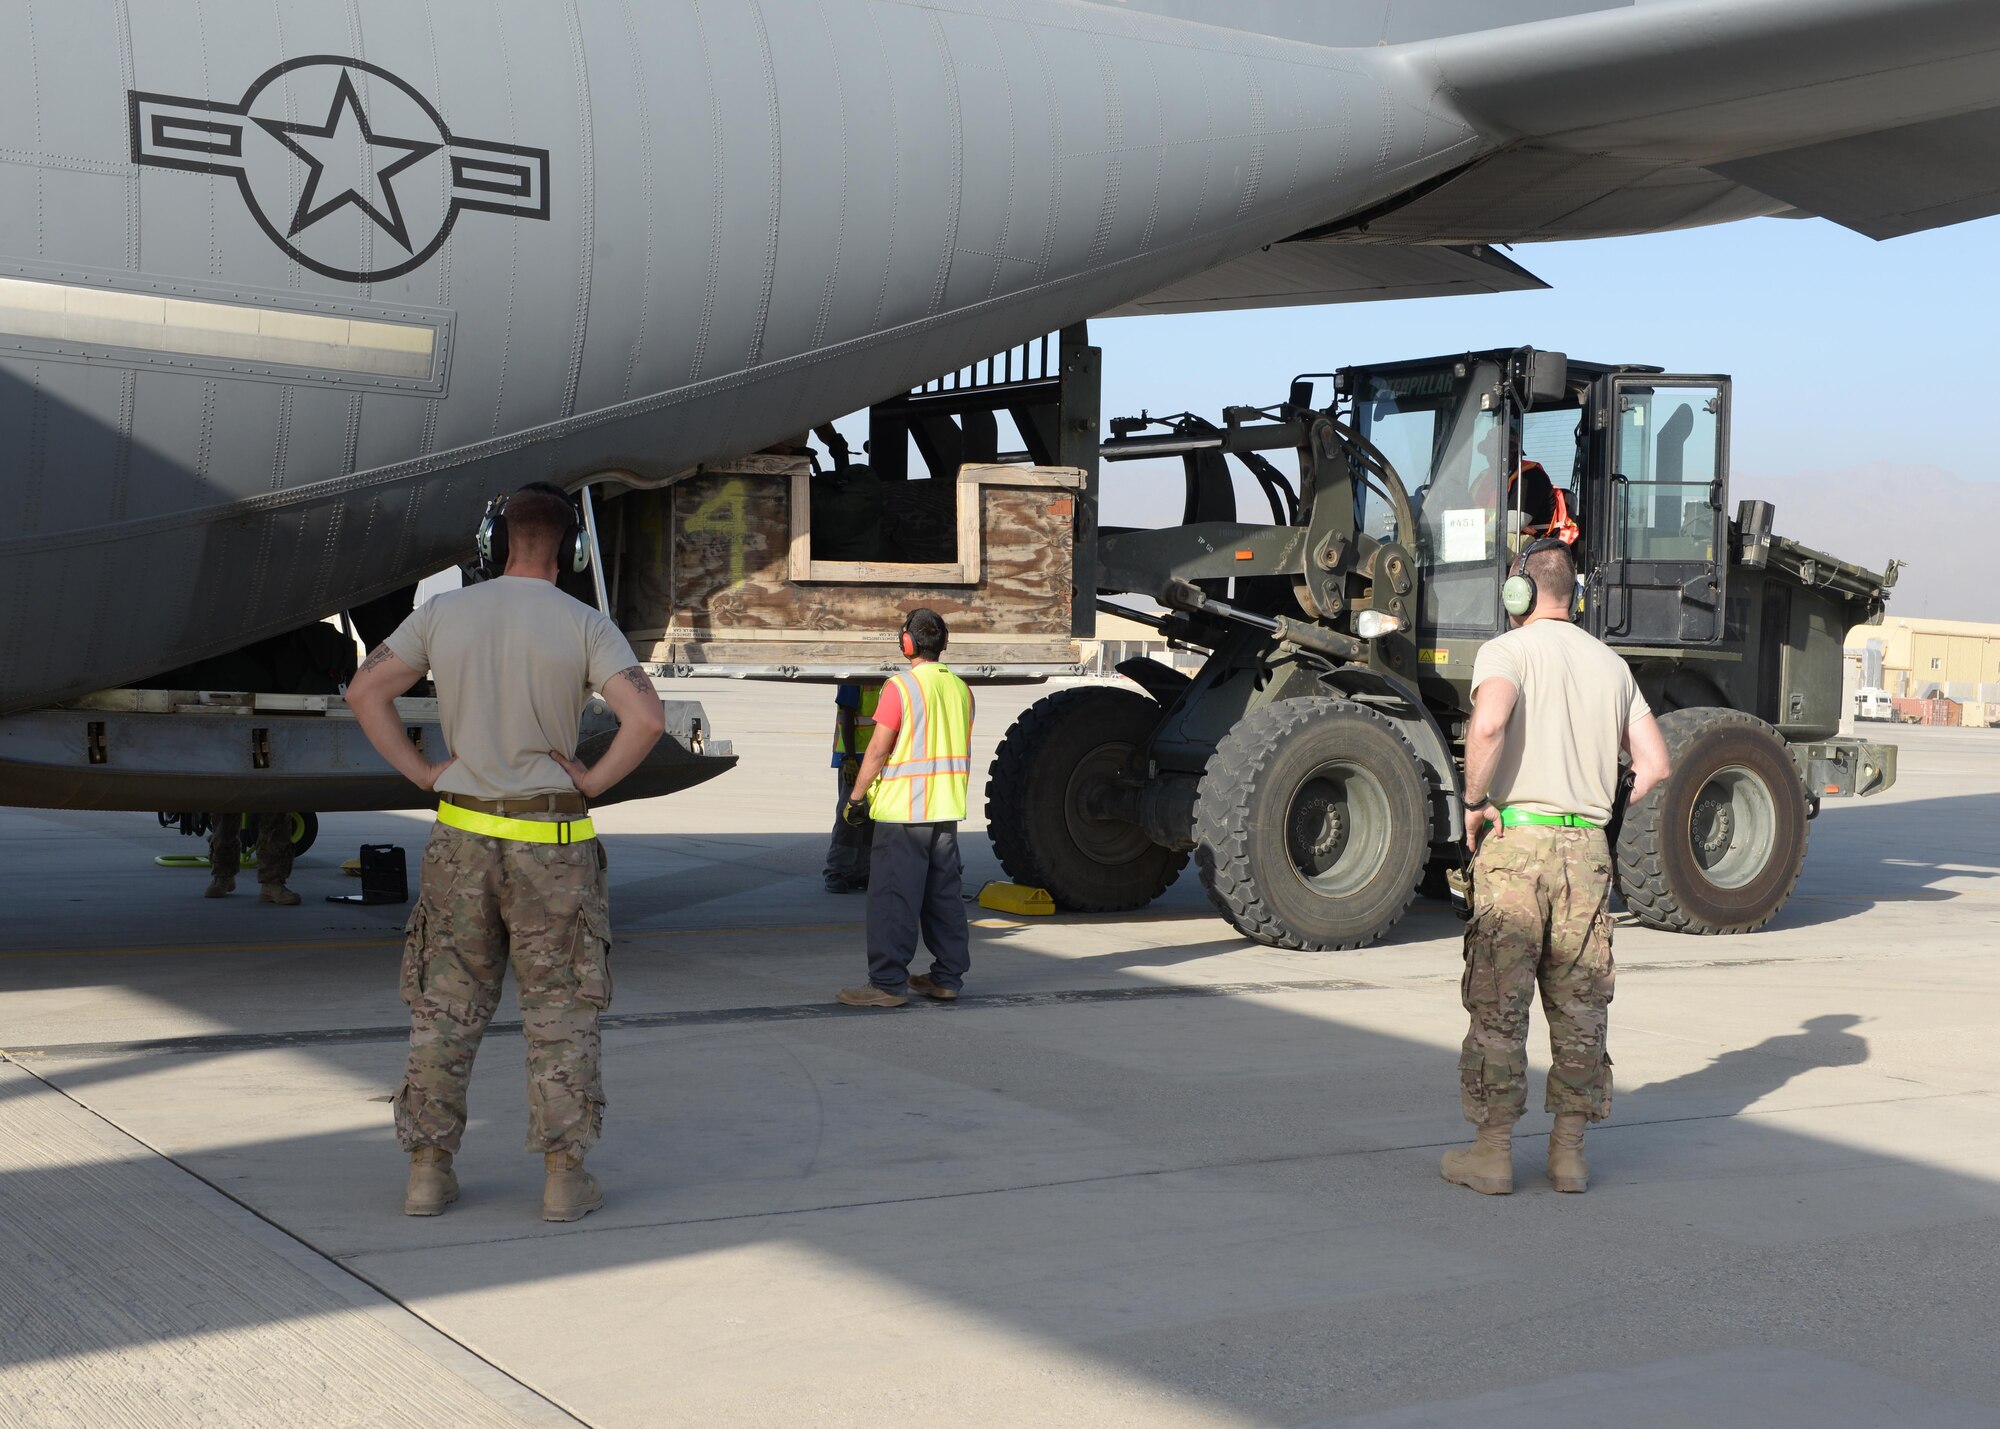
1481,802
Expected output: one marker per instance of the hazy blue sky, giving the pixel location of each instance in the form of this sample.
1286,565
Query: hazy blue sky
1844,350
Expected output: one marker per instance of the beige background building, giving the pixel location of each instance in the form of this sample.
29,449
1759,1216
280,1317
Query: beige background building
1959,658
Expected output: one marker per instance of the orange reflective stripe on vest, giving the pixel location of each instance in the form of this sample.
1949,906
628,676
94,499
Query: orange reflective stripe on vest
925,780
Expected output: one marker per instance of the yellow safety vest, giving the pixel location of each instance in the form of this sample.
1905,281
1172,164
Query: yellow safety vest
864,724
925,778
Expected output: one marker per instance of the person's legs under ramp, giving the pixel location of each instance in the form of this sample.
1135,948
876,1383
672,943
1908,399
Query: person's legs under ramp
847,851
944,926
225,853
454,956
274,848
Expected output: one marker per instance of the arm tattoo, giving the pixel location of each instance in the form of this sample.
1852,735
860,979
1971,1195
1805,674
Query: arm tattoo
638,680
380,654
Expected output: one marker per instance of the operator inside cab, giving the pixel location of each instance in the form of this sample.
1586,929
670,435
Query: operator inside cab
1543,506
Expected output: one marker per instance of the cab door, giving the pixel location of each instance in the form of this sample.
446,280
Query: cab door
1660,526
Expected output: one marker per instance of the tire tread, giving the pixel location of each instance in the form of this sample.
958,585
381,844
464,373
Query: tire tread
1640,857
1220,820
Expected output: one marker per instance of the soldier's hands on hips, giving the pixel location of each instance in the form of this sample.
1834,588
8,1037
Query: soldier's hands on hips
437,770
1477,822
579,774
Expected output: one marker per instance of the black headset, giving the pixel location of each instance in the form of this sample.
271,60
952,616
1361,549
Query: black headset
572,552
1517,596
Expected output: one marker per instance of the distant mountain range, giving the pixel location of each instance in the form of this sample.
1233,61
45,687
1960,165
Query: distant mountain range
1942,525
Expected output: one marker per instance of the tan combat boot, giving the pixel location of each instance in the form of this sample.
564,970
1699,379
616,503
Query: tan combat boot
433,1184
220,884
1487,1166
279,894
570,1193
870,995
1568,1171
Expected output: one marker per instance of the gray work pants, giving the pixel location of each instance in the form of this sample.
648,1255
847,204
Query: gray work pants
914,888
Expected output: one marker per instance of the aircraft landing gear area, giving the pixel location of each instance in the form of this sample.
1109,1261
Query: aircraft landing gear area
305,829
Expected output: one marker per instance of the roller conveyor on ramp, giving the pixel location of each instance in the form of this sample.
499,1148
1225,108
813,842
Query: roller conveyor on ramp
137,1294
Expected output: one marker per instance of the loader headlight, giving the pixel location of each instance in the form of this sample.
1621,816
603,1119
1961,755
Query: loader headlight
1374,624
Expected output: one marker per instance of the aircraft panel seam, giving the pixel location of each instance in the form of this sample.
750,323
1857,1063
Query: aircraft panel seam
642,109
955,203
1114,133
768,63
1252,180
712,279
1006,89
586,188
69,163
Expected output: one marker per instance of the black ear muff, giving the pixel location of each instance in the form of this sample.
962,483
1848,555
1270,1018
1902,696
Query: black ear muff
489,542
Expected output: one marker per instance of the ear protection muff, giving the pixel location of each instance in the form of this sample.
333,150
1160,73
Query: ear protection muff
1517,596
907,640
490,540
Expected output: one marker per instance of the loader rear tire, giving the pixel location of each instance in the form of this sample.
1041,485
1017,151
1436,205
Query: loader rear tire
1718,846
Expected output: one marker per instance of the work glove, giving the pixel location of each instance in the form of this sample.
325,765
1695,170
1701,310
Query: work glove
854,813
850,767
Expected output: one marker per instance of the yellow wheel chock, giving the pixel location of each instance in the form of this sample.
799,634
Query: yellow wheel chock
1017,898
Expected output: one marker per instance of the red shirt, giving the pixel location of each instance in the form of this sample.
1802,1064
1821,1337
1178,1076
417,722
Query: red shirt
889,709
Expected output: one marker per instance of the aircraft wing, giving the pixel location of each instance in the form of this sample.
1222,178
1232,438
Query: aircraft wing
1293,274
1632,118
1881,115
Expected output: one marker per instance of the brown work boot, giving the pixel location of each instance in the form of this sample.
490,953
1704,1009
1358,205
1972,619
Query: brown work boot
570,1193
920,982
1568,1171
1487,1166
870,996
433,1184
279,894
220,885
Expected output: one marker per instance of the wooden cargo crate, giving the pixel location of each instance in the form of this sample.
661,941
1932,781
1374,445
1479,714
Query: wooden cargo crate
720,569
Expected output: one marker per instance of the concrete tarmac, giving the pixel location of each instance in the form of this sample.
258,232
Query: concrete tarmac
1145,1173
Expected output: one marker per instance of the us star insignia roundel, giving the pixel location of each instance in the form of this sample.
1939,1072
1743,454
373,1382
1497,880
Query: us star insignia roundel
349,169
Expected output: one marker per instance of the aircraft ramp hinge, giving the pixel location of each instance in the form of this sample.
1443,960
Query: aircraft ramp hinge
260,749
93,742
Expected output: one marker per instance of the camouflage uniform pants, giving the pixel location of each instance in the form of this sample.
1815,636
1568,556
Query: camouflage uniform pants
1540,914
487,902
274,845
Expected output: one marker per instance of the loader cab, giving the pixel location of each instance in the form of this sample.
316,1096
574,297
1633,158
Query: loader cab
1487,442
1487,466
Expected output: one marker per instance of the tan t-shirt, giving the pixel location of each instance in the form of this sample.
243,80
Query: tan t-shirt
515,660
1576,700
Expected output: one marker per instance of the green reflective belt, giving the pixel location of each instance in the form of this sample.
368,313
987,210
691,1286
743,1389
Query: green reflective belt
1511,816
531,831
